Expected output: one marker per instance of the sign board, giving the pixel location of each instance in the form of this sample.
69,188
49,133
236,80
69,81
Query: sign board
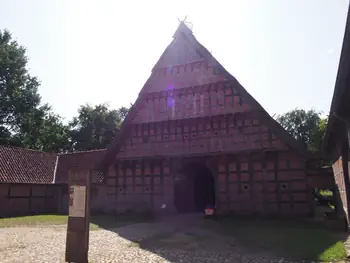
77,200
77,242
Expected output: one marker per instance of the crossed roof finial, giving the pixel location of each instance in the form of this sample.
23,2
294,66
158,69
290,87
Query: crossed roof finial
182,21
188,24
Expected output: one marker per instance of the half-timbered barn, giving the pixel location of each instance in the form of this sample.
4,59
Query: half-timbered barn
35,182
337,138
195,136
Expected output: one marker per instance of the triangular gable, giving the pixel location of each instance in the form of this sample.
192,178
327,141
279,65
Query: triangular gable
181,66
193,54
177,53
272,123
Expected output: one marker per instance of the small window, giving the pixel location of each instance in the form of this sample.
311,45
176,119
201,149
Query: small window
194,135
97,177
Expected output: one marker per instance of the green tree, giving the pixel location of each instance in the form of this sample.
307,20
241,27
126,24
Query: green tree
123,111
44,130
305,126
315,144
18,90
23,120
95,127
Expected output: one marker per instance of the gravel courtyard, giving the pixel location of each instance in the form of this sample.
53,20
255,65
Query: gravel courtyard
169,241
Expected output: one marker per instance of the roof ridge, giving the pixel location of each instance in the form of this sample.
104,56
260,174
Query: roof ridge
76,152
27,149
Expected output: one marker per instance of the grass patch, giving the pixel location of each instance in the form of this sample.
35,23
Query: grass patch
96,221
288,238
33,220
326,192
133,244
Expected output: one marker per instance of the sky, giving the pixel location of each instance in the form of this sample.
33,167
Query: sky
285,53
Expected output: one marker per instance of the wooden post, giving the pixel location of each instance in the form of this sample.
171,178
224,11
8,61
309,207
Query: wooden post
77,242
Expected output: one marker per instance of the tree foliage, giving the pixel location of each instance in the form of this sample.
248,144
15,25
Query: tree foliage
26,122
306,126
45,131
123,111
18,90
95,127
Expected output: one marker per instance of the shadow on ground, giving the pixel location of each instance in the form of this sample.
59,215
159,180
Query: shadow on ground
190,238
111,222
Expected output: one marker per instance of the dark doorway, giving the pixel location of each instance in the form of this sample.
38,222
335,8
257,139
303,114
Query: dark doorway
194,188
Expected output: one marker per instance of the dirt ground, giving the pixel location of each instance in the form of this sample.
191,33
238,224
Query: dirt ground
179,239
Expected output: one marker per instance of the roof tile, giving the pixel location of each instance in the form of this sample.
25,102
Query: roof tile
19,165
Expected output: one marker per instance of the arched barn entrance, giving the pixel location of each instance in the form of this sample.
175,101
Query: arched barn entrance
194,188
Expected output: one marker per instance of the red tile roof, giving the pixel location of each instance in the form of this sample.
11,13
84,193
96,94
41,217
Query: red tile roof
19,165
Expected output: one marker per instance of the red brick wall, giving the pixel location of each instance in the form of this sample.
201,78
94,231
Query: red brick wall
259,183
139,186
203,101
338,172
25,199
200,136
199,73
99,200
205,121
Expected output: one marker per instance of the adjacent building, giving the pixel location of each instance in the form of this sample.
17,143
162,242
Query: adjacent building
337,138
35,182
